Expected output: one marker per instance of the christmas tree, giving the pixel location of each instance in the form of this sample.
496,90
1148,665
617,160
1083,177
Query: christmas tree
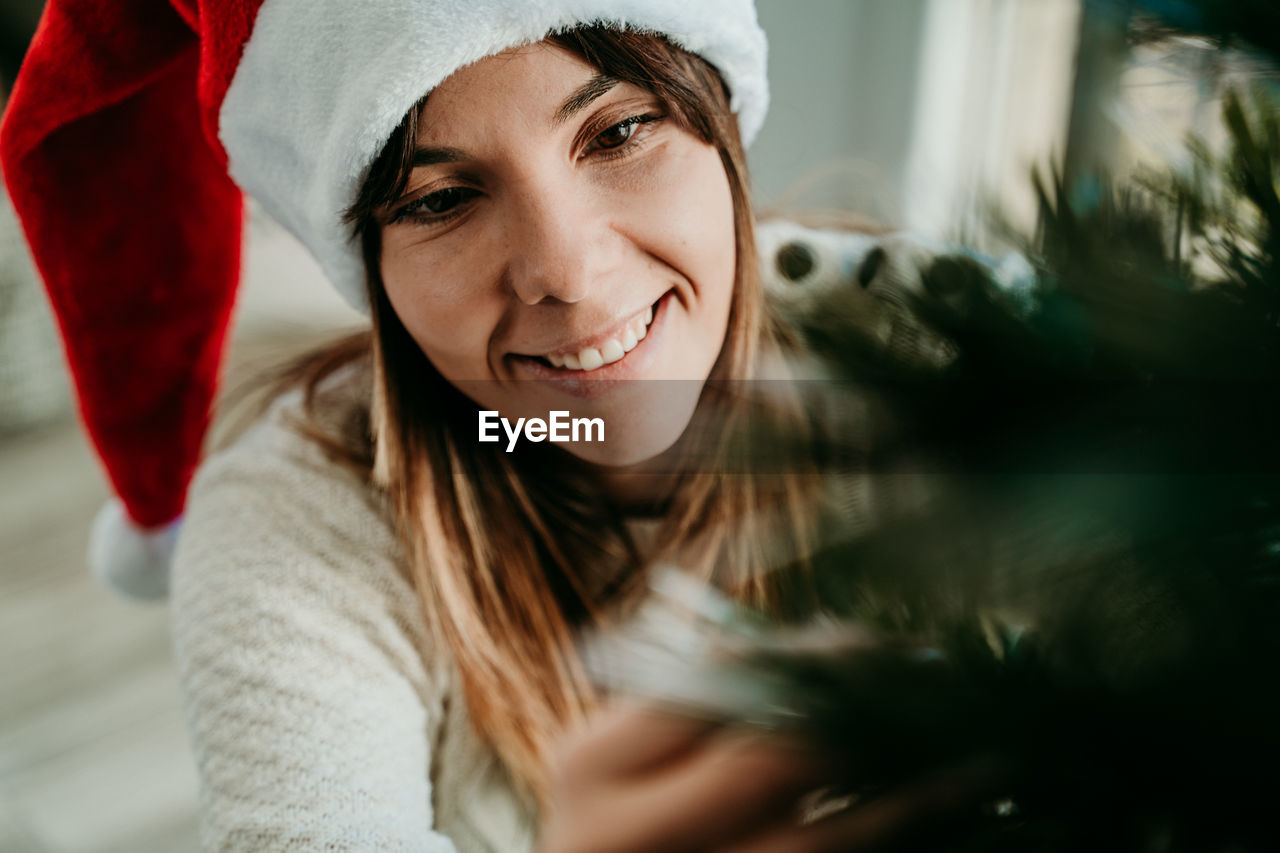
1075,563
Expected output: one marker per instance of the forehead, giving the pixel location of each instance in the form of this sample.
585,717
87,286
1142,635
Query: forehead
522,86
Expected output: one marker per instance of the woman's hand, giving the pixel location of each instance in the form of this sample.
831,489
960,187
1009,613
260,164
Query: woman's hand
643,780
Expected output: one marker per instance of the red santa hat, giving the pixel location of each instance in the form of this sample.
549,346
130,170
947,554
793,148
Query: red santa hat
133,129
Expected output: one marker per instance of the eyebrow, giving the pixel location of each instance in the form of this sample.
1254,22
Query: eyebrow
582,97
432,156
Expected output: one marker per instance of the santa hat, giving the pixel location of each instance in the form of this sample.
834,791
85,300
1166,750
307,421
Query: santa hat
135,125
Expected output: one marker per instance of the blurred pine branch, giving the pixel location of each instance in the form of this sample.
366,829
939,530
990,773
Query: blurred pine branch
1084,575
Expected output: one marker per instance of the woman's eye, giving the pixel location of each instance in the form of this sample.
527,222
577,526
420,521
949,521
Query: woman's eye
617,135
620,134
435,206
444,200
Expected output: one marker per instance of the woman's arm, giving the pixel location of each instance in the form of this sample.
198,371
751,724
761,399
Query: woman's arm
299,651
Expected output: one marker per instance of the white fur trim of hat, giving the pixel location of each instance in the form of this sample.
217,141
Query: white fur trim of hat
301,144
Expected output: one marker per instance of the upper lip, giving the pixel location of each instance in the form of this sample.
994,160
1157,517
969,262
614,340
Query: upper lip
576,345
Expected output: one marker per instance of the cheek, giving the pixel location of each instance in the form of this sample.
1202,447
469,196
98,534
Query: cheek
694,205
700,217
449,313
681,210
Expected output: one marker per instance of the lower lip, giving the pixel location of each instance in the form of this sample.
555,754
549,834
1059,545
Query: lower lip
596,383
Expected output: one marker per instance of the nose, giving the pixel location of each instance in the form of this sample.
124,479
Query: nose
558,243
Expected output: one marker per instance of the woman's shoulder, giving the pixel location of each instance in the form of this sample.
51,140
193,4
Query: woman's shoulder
286,465
302,428
314,695
277,527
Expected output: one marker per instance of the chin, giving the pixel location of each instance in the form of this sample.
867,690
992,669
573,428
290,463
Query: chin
642,432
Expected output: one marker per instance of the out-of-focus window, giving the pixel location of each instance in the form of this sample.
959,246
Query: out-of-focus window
993,103
912,112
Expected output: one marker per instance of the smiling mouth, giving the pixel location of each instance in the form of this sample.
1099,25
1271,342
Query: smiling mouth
607,352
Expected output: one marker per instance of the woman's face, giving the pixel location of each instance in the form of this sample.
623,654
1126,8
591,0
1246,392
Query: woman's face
563,245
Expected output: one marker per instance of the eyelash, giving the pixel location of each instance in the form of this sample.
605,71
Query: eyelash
627,146
415,211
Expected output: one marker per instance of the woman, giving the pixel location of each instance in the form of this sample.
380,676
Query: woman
375,611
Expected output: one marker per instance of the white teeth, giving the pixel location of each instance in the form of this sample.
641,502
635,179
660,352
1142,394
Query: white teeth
611,351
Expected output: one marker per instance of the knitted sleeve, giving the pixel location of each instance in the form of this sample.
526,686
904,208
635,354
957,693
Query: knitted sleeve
299,651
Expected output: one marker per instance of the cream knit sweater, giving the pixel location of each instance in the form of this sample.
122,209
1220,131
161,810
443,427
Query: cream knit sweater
319,717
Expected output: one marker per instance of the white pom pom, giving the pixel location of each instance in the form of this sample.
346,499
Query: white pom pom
131,560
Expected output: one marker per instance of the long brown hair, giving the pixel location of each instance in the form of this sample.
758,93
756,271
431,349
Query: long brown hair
513,555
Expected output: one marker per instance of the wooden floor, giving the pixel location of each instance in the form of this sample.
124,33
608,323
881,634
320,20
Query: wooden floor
93,750
93,753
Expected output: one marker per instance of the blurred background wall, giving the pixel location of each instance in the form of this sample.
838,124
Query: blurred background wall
908,111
